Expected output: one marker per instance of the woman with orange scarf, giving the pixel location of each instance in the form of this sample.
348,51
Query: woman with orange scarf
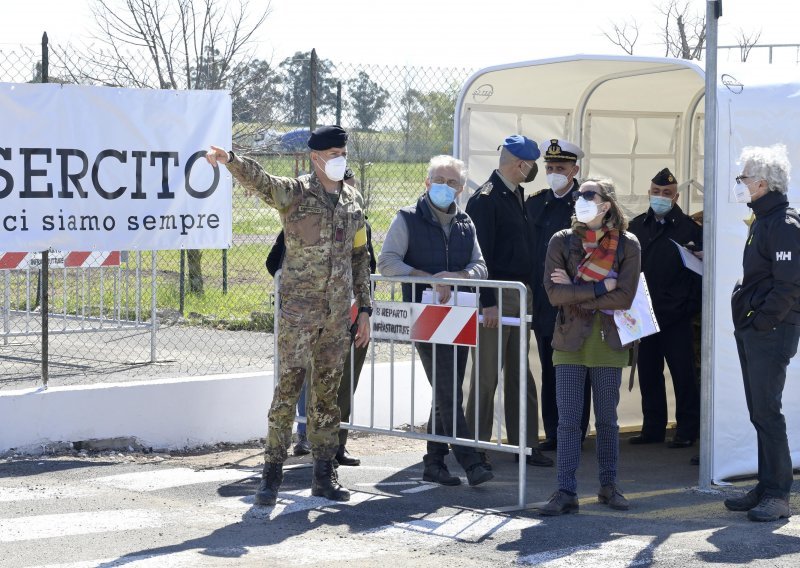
591,270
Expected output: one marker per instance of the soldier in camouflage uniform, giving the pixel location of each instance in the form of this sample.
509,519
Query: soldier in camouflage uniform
326,264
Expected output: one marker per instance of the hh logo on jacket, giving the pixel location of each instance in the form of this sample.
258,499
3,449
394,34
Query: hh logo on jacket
783,255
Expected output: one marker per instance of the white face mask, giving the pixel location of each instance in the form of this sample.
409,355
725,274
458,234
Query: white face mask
741,193
557,181
585,210
335,168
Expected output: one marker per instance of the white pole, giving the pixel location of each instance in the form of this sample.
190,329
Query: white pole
713,12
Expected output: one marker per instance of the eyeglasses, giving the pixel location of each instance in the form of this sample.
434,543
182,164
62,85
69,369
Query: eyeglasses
454,183
740,179
588,195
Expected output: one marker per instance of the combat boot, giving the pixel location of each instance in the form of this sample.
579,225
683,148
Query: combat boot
271,479
325,482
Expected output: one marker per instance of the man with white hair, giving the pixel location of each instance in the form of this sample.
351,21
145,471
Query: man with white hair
436,238
766,319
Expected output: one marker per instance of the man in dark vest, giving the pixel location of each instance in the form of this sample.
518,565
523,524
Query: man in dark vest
676,295
497,210
549,211
436,238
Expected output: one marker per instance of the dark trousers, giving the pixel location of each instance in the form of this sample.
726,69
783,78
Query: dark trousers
548,394
353,364
764,356
675,344
447,407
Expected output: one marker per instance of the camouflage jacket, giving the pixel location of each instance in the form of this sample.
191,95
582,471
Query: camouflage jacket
327,261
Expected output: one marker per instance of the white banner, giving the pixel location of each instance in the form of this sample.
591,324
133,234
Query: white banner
99,168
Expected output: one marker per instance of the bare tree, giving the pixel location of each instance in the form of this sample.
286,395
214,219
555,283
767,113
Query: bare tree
746,41
624,35
684,31
172,44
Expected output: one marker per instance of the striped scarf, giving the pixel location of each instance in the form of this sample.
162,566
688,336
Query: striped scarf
600,247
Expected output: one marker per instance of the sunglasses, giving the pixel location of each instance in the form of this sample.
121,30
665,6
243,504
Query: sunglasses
588,195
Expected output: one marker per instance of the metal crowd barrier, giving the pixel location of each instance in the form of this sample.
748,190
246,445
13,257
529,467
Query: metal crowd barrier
84,299
386,292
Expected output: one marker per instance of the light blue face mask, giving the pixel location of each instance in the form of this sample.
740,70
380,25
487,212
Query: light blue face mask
660,205
442,195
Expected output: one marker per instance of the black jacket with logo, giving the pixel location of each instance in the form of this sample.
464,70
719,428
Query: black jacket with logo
675,290
769,292
502,226
547,215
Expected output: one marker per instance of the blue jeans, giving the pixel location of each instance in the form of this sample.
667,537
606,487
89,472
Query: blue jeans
764,356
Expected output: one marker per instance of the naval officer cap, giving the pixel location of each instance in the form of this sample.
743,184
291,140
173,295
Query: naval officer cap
558,150
326,137
522,147
664,177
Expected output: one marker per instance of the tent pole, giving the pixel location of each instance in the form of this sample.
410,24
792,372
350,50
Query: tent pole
713,12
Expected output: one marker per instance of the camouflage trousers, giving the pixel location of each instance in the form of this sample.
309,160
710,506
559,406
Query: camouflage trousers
308,338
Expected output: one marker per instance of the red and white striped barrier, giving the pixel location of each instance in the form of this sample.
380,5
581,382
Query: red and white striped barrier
444,324
58,259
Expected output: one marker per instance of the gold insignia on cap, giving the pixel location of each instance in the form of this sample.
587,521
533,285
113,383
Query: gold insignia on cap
671,179
554,149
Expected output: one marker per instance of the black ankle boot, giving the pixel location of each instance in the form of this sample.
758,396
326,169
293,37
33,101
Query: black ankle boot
326,482
271,479
344,457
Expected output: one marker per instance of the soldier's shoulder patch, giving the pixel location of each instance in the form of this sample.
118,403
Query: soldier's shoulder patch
540,192
486,189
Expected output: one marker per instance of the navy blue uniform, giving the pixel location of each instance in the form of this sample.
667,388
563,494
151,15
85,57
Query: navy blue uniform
676,293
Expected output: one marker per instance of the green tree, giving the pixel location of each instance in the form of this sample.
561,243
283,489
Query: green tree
297,87
368,100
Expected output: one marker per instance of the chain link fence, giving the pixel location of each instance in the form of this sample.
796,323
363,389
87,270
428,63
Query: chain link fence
213,308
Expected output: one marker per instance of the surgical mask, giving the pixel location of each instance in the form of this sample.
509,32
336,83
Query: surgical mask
557,181
660,205
442,195
585,210
534,169
335,168
741,193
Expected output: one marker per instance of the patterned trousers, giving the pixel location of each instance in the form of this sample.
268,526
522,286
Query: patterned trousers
569,397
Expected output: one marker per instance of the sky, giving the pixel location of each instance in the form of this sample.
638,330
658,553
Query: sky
442,33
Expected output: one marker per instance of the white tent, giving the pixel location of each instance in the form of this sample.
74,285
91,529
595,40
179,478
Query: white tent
633,116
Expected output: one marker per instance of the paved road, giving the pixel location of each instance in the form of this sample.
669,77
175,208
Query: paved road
151,510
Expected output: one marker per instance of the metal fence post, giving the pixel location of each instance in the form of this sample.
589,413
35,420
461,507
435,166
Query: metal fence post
46,253
224,271
312,90
153,322
182,284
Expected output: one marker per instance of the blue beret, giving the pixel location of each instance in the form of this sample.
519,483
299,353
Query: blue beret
326,137
522,147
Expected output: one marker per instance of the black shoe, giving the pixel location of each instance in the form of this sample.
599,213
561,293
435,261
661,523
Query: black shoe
678,442
302,447
770,509
642,439
271,479
325,482
536,458
558,504
743,503
485,461
343,458
436,472
548,445
477,474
